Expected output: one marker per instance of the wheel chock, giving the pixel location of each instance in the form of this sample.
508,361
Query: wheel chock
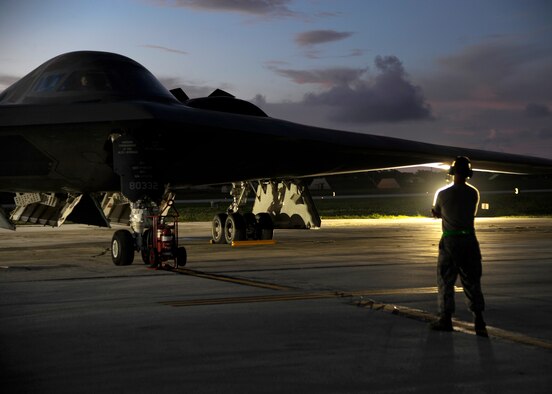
253,242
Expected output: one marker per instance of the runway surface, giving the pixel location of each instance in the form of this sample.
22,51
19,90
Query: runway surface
336,310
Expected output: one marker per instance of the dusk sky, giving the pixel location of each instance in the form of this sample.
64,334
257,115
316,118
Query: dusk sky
466,73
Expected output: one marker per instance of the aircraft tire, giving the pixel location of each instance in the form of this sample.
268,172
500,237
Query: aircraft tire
234,228
153,258
251,227
181,257
265,226
122,248
217,228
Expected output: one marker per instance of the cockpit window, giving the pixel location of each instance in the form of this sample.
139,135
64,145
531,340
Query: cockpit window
48,83
87,76
86,81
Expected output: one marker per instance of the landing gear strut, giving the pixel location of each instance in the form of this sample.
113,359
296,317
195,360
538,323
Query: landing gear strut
234,226
154,234
227,228
277,204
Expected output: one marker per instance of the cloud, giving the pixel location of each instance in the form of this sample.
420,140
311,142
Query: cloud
165,49
354,95
170,82
328,77
259,100
387,96
497,140
7,80
533,110
493,72
317,54
539,137
253,7
494,95
545,134
315,37
328,14
498,92
274,64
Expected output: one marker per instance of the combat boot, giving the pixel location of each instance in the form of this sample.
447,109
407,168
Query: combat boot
443,324
479,325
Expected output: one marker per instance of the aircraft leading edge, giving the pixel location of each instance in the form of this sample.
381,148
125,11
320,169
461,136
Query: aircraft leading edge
94,137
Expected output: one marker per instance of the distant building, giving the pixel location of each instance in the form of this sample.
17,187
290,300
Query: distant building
319,184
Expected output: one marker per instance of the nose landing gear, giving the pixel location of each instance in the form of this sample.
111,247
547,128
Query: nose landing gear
155,236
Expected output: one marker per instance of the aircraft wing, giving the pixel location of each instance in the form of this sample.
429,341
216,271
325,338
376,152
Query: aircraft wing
272,148
93,122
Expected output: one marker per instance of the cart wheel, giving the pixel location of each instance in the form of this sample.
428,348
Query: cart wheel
181,257
146,242
122,248
153,258
217,228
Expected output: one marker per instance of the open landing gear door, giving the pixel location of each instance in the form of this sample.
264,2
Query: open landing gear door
288,203
278,204
4,221
52,209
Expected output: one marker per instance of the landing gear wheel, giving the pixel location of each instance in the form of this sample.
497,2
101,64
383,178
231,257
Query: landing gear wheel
217,228
265,227
250,226
181,257
122,248
234,228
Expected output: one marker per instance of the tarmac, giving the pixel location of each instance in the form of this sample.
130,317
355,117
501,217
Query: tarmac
342,309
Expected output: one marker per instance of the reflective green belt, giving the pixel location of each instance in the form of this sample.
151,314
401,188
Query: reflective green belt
448,233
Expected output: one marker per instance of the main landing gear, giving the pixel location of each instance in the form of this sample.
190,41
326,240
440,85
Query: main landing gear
227,228
277,204
154,235
234,226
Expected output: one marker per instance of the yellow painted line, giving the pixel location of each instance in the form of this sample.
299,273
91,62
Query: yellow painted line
224,278
251,299
412,290
299,296
253,243
412,313
458,325
519,338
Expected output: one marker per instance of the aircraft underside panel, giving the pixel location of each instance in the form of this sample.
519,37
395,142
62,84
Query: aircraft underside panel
289,204
136,162
51,209
15,147
116,208
42,208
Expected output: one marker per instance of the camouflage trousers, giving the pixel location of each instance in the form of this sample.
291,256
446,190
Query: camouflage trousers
459,256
